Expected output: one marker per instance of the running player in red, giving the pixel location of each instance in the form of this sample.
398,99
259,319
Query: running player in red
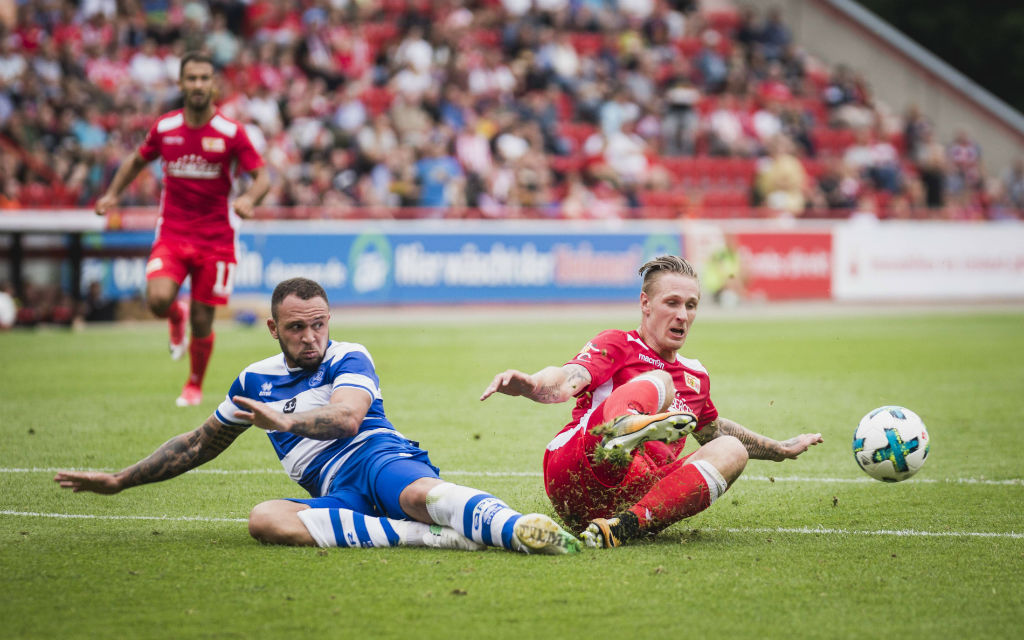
201,151
614,471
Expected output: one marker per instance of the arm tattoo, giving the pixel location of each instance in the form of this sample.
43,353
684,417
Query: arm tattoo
758,447
559,389
183,452
325,423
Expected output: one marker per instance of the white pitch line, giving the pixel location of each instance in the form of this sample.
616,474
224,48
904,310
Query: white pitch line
537,474
88,516
879,532
777,530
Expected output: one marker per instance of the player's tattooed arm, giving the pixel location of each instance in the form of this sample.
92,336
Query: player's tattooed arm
758,447
181,453
340,418
550,385
325,423
558,384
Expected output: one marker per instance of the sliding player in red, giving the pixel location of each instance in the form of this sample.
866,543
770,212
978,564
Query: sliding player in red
201,152
614,471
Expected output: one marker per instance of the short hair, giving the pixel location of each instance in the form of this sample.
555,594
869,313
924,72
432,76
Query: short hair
304,288
653,269
194,56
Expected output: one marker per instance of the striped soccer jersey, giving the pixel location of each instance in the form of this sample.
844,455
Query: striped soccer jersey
311,463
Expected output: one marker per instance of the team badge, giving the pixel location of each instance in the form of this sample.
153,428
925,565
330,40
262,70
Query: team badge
214,145
317,378
692,381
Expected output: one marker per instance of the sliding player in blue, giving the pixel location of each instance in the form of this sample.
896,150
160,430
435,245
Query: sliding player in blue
320,403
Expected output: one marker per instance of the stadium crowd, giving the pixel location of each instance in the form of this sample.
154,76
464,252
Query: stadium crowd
492,108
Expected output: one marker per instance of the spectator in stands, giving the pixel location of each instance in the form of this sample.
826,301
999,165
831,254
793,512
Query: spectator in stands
1013,185
930,161
781,179
965,164
439,176
78,89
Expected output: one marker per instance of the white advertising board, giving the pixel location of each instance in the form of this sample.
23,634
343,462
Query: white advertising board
927,261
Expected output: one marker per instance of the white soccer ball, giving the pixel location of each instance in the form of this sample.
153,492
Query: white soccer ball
891,443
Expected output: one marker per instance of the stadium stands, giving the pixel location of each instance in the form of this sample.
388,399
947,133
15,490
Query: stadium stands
672,108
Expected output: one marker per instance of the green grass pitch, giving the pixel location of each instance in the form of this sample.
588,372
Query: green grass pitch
802,549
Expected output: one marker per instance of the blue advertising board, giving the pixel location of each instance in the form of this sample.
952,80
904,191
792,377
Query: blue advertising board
416,263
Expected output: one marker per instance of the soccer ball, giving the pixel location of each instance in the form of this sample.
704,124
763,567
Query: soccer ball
891,443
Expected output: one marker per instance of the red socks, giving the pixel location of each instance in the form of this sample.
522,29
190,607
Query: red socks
199,356
678,495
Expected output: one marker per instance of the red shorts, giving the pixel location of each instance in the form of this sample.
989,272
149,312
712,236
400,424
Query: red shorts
212,268
581,491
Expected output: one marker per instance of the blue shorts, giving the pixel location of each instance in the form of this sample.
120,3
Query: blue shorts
372,479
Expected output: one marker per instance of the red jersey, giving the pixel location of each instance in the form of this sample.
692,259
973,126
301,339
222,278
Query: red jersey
199,167
615,357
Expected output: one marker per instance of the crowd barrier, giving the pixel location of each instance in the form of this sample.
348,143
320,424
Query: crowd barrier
469,261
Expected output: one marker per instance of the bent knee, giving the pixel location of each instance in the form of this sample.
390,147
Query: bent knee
277,522
735,449
729,456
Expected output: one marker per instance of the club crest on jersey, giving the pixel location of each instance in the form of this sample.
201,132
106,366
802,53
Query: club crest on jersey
214,145
692,381
317,378
266,389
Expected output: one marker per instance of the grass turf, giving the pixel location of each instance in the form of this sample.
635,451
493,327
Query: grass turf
795,549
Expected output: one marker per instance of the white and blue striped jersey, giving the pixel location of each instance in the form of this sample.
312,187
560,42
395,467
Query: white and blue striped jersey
311,463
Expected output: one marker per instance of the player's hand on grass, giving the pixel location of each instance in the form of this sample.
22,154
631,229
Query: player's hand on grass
511,383
104,203
94,481
795,446
260,414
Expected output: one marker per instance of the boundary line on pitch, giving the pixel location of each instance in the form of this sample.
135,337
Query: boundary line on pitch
538,474
777,530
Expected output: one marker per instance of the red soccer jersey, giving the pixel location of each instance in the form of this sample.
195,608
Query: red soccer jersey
199,167
615,357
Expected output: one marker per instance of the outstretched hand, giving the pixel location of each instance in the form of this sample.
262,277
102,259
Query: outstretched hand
94,481
260,414
795,446
511,383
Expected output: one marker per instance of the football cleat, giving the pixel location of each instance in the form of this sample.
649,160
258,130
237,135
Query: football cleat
630,431
178,342
439,537
191,396
599,535
537,533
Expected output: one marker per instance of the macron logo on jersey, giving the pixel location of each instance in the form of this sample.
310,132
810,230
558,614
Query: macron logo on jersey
649,360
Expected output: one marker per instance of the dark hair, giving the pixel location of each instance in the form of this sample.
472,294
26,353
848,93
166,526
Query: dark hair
304,288
194,56
652,269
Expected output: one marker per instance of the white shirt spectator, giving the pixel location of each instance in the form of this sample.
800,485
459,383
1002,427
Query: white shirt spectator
147,68
417,53
516,8
12,66
636,8
511,147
